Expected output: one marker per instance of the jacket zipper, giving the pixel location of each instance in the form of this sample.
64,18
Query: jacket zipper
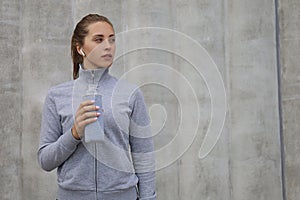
95,159
96,174
93,76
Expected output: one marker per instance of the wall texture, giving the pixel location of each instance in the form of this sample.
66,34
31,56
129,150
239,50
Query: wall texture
255,45
11,100
254,125
289,13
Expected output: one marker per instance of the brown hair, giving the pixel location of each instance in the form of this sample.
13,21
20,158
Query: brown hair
80,32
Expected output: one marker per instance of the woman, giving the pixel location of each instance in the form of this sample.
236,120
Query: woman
121,166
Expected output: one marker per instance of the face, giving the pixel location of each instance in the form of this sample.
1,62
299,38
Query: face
99,46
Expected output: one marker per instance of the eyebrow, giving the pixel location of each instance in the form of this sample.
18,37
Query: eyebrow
100,35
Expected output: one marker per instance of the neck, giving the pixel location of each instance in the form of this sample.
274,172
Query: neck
92,76
89,65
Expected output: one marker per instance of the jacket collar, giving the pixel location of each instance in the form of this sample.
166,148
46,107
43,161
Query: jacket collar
92,76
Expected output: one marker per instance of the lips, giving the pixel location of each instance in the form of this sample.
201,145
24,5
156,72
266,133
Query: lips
107,56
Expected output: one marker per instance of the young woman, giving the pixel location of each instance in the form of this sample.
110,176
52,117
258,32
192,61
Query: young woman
121,166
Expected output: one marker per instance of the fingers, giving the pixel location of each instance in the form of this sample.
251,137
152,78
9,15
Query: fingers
87,106
87,110
86,114
83,123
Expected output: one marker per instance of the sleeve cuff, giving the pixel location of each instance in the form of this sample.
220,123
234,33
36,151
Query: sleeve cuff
68,141
153,197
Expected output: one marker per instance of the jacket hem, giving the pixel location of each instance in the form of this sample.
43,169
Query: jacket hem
124,194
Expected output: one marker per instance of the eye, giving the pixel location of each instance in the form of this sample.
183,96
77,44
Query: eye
99,40
112,40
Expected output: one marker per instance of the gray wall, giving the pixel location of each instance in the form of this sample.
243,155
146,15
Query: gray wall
256,52
290,93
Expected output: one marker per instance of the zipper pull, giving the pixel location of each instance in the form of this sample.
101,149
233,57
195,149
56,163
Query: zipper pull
93,76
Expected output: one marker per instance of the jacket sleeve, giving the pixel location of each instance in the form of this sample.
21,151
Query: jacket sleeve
55,147
142,148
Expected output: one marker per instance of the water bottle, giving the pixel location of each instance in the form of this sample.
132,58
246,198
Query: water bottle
94,132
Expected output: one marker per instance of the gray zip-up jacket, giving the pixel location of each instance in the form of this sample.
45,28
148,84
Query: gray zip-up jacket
114,168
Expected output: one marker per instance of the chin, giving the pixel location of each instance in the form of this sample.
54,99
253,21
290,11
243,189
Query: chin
108,65
104,65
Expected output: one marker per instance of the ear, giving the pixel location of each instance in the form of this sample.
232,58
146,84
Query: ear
78,47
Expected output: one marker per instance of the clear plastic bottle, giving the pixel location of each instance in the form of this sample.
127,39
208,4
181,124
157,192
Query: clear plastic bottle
94,132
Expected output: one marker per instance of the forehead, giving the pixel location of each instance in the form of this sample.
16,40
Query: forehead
100,28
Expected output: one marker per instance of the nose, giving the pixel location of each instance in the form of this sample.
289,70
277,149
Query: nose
107,44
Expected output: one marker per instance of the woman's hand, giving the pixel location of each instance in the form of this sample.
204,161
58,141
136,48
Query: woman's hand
86,114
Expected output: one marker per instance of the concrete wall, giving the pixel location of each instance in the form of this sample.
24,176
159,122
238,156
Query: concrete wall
254,125
11,100
289,13
260,132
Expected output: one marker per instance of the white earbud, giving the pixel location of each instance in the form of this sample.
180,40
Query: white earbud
82,53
